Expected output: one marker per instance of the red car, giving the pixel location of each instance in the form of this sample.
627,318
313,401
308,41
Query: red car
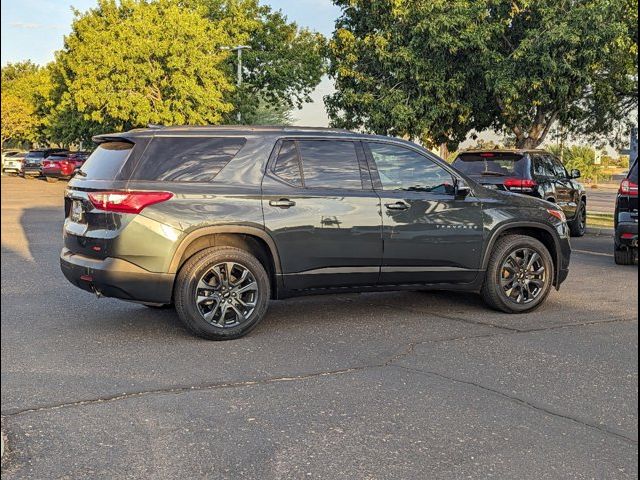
63,166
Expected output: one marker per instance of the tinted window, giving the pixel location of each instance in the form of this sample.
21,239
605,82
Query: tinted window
492,164
187,159
287,165
542,166
558,169
106,161
35,155
330,164
633,173
404,169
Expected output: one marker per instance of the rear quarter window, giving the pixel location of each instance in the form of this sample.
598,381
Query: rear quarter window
196,159
633,173
106,161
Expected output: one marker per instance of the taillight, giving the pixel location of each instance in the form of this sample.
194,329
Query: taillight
520,184
127,202
627,187
46,163
559,214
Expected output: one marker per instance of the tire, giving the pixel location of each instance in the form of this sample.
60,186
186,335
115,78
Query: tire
496,282
625,256
51,179
578,226
209,268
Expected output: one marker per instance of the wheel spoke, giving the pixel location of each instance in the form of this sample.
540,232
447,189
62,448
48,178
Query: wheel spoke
243,277
534,257
253,286
239,315
211,313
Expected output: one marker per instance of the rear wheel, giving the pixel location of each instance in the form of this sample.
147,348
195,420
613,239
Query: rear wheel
222,293
51,179
625,256
578,226
519,275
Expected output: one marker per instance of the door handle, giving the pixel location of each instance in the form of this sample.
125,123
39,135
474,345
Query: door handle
396,206
282,203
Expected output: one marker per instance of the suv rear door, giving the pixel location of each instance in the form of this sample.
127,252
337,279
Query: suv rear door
429,234
321,210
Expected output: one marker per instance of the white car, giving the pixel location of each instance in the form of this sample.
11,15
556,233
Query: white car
12,162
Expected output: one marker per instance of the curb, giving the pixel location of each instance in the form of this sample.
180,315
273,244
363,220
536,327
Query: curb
609,232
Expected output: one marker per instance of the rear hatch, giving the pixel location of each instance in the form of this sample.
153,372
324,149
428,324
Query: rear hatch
33,159
91,231
492,169
628,193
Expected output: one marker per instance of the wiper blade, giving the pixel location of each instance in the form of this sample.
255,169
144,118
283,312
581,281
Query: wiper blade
81,173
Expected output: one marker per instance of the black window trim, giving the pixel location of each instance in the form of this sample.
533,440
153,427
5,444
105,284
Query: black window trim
375,176
363,166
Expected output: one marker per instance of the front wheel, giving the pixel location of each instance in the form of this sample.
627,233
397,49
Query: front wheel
519,275
578,226
222,293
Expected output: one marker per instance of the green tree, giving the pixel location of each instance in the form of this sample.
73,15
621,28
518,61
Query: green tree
130,63
283,66
437,69
17,119
29,85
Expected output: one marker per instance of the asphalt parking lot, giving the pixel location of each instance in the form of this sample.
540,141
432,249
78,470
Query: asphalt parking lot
385,385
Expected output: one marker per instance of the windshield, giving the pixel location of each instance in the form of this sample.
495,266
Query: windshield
35,155
492,164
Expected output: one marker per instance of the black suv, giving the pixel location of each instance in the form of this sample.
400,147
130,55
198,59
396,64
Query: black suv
218,220
626,219
530,172
32,165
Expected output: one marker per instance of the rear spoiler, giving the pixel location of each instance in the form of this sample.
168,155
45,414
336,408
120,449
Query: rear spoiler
112,137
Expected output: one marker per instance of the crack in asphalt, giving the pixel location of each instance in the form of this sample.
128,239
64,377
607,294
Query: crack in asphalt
520,401
405,350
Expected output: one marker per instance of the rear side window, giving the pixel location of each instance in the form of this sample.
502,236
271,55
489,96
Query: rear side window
196,159
288,164
330,164
106,161
633,173
492,164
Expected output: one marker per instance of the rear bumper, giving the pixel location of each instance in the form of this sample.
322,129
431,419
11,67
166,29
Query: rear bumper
627,234
113,277
31,171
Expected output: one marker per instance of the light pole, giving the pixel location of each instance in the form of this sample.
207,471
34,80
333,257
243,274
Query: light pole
239,49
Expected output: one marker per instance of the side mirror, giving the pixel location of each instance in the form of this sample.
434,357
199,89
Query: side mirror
462,188
575,173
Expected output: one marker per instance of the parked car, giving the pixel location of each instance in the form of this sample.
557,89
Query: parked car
218,220
13,163
32,165
626,219
62,166
530,172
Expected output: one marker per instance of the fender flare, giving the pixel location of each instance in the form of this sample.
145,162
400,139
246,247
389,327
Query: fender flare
507,226
228,229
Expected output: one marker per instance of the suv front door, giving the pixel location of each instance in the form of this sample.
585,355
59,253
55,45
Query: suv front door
320,208
430,235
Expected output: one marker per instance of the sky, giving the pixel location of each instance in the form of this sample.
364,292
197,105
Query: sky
34,30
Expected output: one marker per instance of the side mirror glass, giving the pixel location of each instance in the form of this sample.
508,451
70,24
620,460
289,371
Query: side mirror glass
575,173
462,188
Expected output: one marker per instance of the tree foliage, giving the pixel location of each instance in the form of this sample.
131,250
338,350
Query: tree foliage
437,69
17,119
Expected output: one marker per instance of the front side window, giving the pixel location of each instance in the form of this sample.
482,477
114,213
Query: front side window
406,170
330,164
558,169
187,159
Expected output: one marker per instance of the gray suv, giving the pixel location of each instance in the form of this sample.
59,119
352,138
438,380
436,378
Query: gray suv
218,220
